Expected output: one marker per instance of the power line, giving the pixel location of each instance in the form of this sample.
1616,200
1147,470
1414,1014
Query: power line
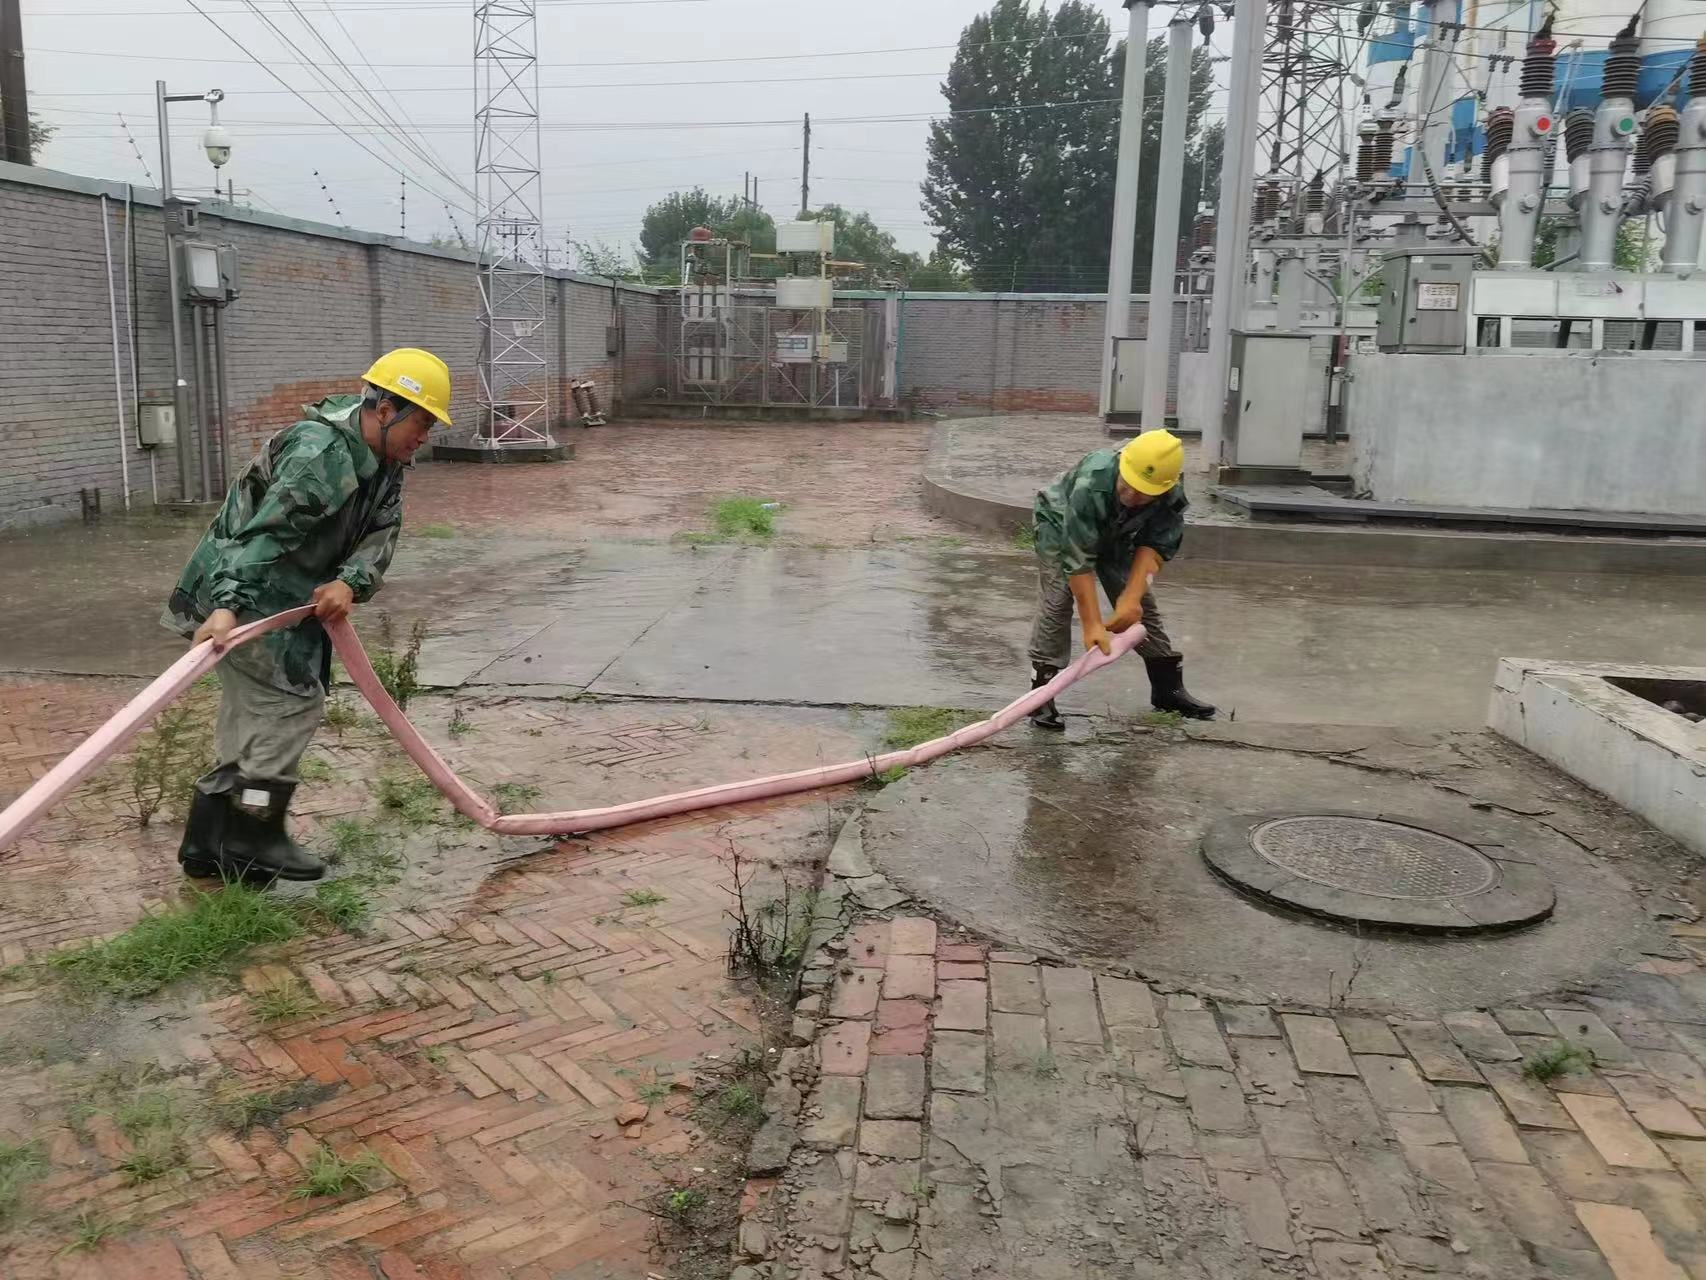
316,110
401,10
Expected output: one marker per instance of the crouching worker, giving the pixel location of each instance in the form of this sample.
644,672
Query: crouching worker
1117,516
314,520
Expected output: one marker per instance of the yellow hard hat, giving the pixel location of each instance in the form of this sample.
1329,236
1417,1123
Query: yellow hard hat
418,376
1151,462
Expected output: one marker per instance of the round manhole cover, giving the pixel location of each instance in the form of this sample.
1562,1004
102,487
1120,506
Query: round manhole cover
1368,855
1379,871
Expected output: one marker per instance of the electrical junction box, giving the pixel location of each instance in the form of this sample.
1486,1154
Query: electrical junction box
210,271
804,293
156,424
1267,390
1424,299
803,348
806,237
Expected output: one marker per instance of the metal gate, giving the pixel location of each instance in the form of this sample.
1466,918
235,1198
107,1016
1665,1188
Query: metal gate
757,355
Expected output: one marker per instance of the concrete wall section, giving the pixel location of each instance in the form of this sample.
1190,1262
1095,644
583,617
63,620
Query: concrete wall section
1649,760
1013,352
1566,432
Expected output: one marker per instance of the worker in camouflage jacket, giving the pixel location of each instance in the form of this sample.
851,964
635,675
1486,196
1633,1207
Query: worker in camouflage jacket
1115,517
313,520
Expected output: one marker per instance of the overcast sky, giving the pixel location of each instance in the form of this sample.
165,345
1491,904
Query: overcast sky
605,69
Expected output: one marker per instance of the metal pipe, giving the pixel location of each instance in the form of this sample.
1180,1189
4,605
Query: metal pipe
198,350
223,393
1232,229
1116,320
180,392
1169,191
118,363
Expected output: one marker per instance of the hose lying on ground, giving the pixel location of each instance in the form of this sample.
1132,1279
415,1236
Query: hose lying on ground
112,736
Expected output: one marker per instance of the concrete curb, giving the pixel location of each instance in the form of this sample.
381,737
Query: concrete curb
1313,546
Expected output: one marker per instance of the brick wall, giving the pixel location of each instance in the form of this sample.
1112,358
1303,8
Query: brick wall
317,304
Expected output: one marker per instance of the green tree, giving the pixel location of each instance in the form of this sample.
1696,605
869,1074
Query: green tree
596,258
669,221
940,274
1022,187
40,133
858,238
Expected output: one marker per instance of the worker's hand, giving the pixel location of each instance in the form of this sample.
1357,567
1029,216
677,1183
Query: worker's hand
1127,614
218,625
333,601
1096,637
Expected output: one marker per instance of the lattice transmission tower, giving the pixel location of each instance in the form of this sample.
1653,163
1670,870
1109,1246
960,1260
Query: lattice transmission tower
515,398
1306,68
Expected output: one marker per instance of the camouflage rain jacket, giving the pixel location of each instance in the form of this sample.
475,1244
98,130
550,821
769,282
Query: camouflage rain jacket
314,505
1082,524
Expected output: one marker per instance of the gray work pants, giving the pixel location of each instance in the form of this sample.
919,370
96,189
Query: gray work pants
1051,633
262,730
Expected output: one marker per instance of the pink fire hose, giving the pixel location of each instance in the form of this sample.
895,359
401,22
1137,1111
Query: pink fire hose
112,736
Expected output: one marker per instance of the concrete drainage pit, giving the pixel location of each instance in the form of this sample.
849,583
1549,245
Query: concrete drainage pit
1380,872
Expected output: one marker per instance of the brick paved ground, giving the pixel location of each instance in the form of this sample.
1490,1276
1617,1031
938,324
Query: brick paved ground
844,484
964,1111
483,1038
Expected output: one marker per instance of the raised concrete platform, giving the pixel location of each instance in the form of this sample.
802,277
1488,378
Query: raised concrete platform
985,472
1264,502
699,412
467,449
1592,721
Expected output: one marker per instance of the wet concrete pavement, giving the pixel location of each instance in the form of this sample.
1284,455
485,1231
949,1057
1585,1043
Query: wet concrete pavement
906,623
1092,850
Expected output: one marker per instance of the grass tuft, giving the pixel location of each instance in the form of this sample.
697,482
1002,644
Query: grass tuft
342,904
910,726
21,1163
242,1112
88,1230
397,671
1025,537
1559,1060
284,1001
314,769
212,927
413,799
171,756
643,898
459,723
341,715
743,517
512,797
330,1174
684,1206
435,531
1161,719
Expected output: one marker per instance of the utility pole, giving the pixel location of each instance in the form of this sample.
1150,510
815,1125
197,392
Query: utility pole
1116,320
403,208
806,168
1164,252
14,95
1232,229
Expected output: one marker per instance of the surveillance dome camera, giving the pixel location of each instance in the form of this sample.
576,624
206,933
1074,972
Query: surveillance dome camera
217,143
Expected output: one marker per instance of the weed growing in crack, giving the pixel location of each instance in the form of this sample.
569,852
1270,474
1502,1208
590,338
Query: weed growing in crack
88,1230
460,724
910,726
1025,537
511,797
314,769
172,755
340,715
244,1111
341,903
330,1174
653,1092
739,1102
1043,1066
438,530
1161,719
398,671
284,1001
351,838
643,898
433,1054
1559,1060
21,1163
682,1206
768,939
414,800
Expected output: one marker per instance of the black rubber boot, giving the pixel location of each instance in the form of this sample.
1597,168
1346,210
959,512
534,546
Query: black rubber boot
255,845
1046,716
198,855
1167,689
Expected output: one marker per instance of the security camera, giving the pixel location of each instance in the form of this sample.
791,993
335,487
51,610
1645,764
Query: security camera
217,143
